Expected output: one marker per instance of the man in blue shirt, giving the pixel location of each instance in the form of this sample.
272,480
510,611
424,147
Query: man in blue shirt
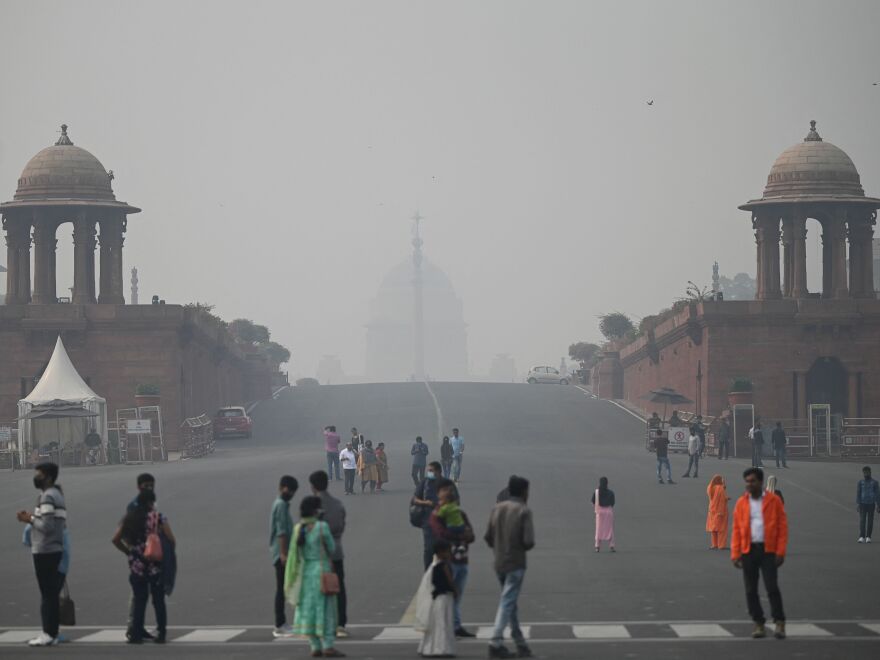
867,498
280,532
457,443
419,453
426,496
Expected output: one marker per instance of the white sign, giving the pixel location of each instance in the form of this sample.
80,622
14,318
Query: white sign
138,426
678,437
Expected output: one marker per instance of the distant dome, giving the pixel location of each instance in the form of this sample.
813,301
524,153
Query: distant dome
813,168
64,171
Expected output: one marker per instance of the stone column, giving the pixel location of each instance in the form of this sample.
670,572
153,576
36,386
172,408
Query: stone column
83,262
861,258
767,238
852,394
788,239
18,260
802,394
799,264
111,261
44,259
836,230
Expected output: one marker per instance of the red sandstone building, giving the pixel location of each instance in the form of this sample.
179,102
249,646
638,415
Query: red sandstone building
798,347
187,353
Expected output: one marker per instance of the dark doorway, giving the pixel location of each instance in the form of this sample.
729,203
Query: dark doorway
826,383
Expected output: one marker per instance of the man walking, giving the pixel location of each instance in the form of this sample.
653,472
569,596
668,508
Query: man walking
331,446
459,540
419,453
426,496
280,532
510,534
724,439
757,546
779,442
693,454
700,430
661,444
349,467
757,436
334,516
457,443
867,497
48,522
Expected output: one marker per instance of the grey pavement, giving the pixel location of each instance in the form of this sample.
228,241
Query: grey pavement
558,437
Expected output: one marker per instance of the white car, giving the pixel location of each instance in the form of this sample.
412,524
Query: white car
546,375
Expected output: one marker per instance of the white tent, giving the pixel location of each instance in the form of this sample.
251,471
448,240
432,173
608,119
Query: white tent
61,380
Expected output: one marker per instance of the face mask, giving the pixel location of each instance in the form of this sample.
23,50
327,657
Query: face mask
38,483
430,475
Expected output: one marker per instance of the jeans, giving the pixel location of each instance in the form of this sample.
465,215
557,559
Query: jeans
349,480
341,601
723,449
866,520
764,563
428,548
333,461
447,467
661,461
418,474
456,467
49,581
459,579
507,615
757,450
280,620
143,588
693,462
780,456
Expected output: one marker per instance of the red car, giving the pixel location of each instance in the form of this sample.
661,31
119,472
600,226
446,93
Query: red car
232,420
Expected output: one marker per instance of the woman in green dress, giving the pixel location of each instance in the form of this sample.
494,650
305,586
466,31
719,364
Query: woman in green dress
307,559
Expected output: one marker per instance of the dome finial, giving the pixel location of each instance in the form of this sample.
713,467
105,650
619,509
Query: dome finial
63,140
813,135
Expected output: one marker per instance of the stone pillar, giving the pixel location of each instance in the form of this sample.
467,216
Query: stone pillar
788,241
861,258
111,261
836,230
767,238
18,260
802,394
799,260
852,405
45,245
83,261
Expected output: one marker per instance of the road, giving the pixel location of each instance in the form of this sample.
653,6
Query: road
662,577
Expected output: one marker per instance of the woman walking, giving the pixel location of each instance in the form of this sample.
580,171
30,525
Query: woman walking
717,518
382,466
139,525
306,583
603,505
434,605
446,454
368,467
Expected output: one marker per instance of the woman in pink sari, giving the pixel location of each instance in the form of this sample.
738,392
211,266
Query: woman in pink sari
603,505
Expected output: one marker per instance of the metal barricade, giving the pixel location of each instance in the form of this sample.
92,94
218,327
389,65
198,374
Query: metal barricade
861,436
197,435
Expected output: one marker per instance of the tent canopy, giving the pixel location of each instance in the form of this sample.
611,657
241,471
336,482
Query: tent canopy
61,381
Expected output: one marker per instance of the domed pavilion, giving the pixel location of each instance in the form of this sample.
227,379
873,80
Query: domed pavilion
64,183
814,179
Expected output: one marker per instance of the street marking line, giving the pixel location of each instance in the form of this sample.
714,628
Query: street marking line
485,632
700,630
116,636
600,631
211,635
17,636
873,627
437,410
397,634
806,630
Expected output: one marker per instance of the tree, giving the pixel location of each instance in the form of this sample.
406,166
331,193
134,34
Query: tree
584,352
615,325
248,332
276,353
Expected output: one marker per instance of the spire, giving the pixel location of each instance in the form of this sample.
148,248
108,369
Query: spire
813,135
63,140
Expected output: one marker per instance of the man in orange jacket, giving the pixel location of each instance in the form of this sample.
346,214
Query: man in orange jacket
760,535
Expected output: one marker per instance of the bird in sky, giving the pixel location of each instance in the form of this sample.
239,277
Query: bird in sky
651,102
876,83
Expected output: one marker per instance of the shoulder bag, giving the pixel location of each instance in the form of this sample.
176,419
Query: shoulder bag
66,608
153,547
329,579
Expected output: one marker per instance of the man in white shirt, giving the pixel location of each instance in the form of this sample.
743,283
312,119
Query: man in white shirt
457,443
349,467
693,455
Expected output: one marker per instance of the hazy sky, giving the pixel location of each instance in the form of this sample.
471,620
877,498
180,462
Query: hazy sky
278,149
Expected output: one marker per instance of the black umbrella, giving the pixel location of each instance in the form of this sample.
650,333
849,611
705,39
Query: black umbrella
666,396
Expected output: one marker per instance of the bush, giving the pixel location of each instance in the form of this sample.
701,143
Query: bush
147,389
307,382
741,385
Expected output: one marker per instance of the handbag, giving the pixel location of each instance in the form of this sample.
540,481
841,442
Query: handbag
66,608
329,579
417,515
153,546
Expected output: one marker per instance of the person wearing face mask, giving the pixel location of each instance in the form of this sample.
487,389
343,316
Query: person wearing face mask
426,497
280,532
145,482
48,521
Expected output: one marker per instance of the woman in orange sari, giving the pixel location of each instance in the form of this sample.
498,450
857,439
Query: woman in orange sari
717,520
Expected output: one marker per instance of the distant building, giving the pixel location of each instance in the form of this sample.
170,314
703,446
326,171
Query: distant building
503,369
330,370
876,246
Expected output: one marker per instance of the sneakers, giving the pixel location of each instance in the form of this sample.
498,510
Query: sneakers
867,539
282,632
661,481
461,632
43,639
685,476
861,539
500,652
780,630
523,651
670,481
341,632
759,632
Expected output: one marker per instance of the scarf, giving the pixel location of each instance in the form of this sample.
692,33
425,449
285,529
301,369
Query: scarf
293,569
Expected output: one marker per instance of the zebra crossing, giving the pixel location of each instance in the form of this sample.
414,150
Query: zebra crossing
640,631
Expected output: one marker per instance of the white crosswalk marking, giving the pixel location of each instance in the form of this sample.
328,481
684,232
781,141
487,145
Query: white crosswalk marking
17,636
699,630
873,627
806,630
600,631
485,632
398,633
211,635
105,636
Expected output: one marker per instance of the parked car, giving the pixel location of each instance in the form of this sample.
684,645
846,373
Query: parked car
232,421
546,375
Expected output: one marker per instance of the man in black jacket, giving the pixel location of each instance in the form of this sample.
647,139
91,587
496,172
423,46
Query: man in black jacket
779,441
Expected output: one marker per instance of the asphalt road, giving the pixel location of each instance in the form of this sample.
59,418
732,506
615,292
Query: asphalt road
561,439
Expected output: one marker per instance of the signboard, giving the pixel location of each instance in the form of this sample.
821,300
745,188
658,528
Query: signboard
678,437
138,426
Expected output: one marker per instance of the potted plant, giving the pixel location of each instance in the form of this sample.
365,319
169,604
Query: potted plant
740,392
147,394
